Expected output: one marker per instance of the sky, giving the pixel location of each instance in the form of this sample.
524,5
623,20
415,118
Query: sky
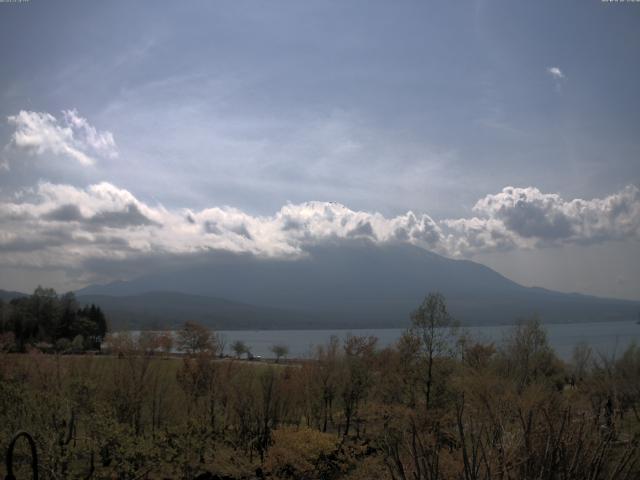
502,132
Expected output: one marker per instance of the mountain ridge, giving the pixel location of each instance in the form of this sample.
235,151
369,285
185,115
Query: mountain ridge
362,284
8,295
169,310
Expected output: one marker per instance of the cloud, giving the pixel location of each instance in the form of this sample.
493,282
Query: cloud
87,136
558,77
94,217
71,136
122,218
61,226
556,73
528,218
363,229
64,213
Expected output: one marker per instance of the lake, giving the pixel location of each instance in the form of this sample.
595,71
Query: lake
608,338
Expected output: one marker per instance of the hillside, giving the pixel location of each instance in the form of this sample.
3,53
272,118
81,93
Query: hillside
357,284
167,310
7,295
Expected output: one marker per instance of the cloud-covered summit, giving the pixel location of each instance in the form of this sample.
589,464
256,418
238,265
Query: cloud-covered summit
62,226
199,105
81,228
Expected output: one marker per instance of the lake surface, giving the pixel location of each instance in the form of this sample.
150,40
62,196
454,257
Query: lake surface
609,338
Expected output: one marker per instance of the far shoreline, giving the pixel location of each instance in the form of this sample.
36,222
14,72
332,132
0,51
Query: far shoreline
349,329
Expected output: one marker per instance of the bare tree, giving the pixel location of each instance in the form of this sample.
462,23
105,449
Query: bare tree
435,328
148,342
165,342
195,338
327,373
527,355
221,344
357,375
280,350
580,360
239,348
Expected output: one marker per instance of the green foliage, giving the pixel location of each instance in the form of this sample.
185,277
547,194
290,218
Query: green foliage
45,318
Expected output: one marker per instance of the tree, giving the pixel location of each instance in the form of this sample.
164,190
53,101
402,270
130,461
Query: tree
47,317
580,360
7,342
280,351
95,315
77,345
221,341
148,342
328,358
239,348
165,342
435,328
527,355
120,343
195,338
356,375
68,314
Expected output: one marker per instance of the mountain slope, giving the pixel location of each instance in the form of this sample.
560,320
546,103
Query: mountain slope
363,284
168,310
8,295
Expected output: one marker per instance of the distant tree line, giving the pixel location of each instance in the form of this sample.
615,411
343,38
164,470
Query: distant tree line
50,322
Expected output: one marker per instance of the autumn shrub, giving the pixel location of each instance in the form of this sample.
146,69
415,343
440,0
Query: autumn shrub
299,453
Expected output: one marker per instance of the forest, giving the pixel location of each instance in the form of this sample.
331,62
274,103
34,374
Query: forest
50,322
435,405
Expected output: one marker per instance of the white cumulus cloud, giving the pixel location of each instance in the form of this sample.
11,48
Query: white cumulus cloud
64,226
71,136
529,218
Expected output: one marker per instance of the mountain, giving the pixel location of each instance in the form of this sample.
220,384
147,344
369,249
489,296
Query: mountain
168,310
7,295
361,284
